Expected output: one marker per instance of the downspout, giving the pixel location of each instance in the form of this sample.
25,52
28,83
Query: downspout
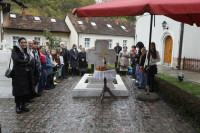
1,23
180,47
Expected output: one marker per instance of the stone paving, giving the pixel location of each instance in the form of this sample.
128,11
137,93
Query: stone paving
188,75
56,111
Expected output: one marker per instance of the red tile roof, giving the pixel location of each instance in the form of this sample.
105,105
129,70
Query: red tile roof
29,23
101,26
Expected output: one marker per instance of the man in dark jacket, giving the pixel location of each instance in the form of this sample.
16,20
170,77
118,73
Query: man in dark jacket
117,50
66,58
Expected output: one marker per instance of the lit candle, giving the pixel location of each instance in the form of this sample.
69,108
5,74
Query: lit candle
103,52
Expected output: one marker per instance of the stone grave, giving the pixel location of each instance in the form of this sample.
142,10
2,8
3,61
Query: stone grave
94,87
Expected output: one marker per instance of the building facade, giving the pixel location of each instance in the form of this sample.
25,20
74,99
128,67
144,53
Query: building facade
85,31
168,38
33,27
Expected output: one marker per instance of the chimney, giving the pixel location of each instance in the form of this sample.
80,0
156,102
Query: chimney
117,20
23,13
86,19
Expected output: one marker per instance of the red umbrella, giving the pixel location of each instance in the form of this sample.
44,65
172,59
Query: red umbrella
186,11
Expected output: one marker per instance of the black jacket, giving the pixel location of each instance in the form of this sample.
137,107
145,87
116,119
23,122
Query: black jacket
20,80
117,49
82,64
142,60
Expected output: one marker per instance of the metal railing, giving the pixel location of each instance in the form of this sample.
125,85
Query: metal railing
191,64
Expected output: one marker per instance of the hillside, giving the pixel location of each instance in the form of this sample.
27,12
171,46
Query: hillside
54,8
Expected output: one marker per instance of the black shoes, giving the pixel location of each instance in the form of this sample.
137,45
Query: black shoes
31,101
24,108
18,110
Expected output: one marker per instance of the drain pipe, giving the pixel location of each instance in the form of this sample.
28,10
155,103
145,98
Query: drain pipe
180,47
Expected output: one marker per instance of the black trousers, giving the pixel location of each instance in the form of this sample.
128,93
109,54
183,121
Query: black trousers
116,62
19,100
65,70
31,85
151,81
74,71
50,80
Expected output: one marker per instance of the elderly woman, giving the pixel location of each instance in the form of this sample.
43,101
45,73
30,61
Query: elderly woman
82,61
22,69
124,60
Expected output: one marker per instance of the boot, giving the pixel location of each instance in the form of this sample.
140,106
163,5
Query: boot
18,110
24,107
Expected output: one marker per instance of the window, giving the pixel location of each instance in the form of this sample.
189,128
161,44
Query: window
109,26
80,22
53,20
37,18
13,15
38,39
123,27
124,43
15,40
93,24
110,43
87,42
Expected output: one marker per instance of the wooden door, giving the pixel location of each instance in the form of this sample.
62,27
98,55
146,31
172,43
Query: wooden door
168,50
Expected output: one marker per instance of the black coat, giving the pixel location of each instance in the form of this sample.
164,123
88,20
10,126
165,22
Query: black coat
20,80
73,56
82,64
117,49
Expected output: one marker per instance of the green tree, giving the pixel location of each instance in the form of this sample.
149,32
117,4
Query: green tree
53,41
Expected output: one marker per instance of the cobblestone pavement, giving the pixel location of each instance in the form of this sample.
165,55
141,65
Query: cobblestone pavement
56,111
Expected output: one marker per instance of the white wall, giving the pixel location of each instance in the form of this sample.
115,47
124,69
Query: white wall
191,42
73,37
115,39
8,36
158,34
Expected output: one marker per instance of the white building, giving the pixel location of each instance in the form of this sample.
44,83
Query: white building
85,31
168,39
33,27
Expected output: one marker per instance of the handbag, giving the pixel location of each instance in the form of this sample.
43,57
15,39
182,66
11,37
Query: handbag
9,72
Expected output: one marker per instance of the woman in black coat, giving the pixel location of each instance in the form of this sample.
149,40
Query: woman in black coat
82,61
21,80
74,59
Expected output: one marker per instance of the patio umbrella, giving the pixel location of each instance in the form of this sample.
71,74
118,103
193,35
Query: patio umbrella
185,11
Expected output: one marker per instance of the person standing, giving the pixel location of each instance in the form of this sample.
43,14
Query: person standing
124,60
143,76
43,74
117,50
154,58
66,58
82,61
74,59
49,84
37,67
60,53
32,68
21,79
139,46
133,54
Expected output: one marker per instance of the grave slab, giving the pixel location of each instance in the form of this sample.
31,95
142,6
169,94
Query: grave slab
81,89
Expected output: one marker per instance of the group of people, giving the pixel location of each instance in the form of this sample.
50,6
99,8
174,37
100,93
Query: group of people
143,71
36,69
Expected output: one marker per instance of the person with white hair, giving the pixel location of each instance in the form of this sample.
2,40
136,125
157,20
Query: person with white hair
62,44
